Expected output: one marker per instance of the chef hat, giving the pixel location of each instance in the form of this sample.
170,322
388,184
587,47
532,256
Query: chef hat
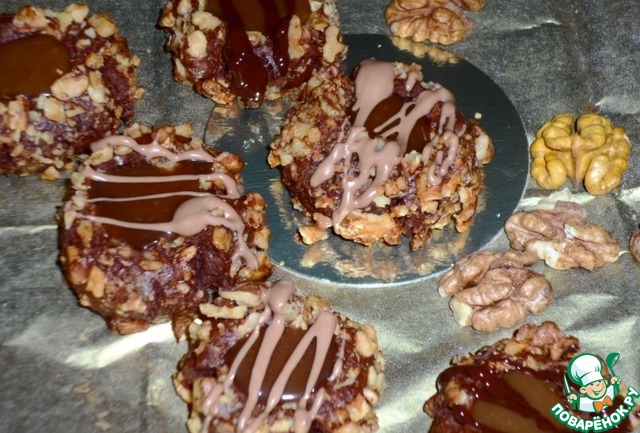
585,369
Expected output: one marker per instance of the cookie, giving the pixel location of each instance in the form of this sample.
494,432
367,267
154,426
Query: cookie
512,385
264,358
155,224
381,156
248,52
67,79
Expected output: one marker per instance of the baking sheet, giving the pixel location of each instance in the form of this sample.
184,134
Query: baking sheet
249,133
63,371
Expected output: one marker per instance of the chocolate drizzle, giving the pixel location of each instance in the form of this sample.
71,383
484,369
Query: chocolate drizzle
376,159
295,387
378,113
248,72
31,65
269,378
144,202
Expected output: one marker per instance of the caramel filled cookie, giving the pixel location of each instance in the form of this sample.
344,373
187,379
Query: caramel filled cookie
67,79
512,385
380,156
155,224
252,50
266,359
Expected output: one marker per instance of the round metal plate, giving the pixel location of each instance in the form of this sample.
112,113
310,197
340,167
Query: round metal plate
335,260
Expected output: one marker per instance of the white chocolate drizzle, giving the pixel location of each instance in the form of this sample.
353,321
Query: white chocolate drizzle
321,331
374,83
194,214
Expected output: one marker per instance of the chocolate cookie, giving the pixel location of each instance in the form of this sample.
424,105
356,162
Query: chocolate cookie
155,224
380,156
249,51
67,79
266,359
511,386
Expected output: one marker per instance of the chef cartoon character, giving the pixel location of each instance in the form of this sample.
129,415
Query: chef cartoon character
595,393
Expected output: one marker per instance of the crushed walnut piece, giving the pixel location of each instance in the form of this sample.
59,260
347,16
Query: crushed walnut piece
438,21
493,290
562,237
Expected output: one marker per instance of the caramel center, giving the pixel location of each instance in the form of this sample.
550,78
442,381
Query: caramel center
389,108
522,403
31,65
248,73
258,15
295,387
161,208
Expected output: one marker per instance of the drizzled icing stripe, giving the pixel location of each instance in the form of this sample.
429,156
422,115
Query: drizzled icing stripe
148,197
321,330
193,215
376,159
228,181
412,111
154,150
374,83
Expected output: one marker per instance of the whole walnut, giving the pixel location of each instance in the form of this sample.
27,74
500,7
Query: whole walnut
590,150
437,21
493,290
562,237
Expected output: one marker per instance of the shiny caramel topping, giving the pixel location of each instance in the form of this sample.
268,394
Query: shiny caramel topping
248,74
502,419
297,381
163,194
390,107
160,207
521,403
30,65
513,402
258,15
249,77
276,364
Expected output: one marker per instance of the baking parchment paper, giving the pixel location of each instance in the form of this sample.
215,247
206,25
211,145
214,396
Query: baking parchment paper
61,370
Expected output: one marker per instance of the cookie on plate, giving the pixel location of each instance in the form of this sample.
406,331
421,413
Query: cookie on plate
380,156
266,359
67,79
155,224
252,51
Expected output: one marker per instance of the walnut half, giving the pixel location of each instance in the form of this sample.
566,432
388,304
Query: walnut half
590,150
437,21
493,290
562,237
634,245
